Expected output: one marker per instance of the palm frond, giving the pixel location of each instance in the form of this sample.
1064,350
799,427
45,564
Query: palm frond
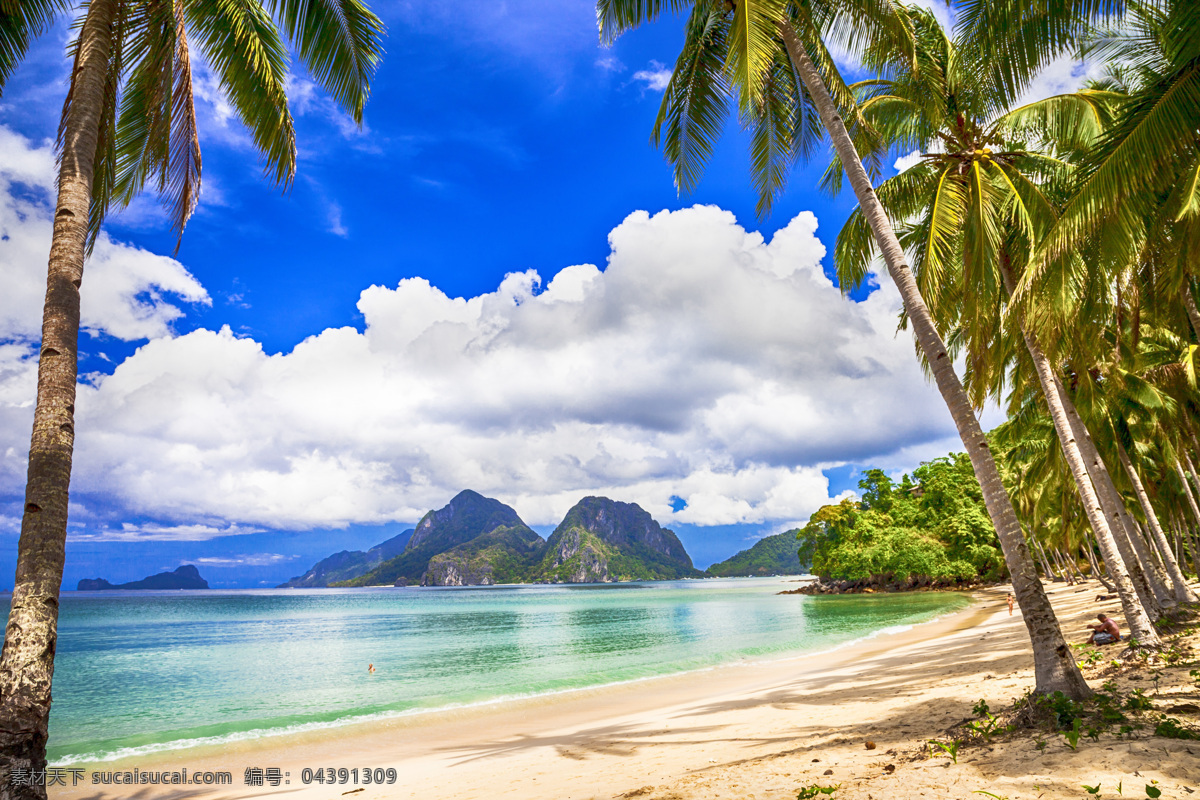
752,47
1007,42
1073,120
696,101
341,43
157,128
1140,156
242,45
22,21
615,17
774,119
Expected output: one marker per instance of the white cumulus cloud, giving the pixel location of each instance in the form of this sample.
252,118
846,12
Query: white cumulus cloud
125,289
656,78
702,362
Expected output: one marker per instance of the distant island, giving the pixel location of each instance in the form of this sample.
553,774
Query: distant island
349,564
479,541
773,555
185,577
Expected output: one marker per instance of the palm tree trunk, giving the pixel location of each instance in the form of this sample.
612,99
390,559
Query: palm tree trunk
1178,549
1183,592
1103,515
1070,437
1091,556
1193,313
1191,473
1041,554
1054,668
1187,491
1194,545
1153,593
1072,568
1060,570
27,660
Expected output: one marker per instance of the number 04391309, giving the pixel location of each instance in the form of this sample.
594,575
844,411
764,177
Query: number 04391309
355,775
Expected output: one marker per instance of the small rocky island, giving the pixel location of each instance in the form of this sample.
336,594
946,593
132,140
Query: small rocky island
186,577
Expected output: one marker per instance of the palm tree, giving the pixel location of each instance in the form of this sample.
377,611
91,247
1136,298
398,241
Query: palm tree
982,210
772,55
1151,150
21,21
129,118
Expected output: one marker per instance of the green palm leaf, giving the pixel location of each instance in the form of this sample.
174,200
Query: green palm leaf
752,47
696,102
241,43
340,41
22,21
618,16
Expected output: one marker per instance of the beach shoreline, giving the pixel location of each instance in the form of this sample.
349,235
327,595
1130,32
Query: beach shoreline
758,729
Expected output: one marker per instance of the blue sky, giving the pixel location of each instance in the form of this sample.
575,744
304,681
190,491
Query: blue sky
300,378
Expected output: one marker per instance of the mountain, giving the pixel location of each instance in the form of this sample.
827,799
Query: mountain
349,564
466,517
504,555
601,540
476,541
186,577
774,555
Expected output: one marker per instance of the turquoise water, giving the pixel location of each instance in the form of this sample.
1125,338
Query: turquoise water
143,672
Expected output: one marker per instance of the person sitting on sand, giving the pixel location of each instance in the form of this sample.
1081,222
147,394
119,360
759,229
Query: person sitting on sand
1106,632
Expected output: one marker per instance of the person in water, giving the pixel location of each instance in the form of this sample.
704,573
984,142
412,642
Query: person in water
370,669
1106,632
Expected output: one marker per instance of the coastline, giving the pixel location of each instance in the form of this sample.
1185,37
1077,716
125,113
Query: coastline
756,729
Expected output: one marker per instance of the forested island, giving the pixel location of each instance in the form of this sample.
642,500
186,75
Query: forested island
930,529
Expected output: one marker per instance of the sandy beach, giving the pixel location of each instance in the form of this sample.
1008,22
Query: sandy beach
760,731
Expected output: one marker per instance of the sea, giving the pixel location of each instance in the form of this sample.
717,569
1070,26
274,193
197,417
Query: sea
139,673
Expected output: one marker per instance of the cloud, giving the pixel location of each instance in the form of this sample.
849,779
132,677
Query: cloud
251,560
1063,75
306,98
128,293
656,78
333,215
610,63
909,161
702,363
130,532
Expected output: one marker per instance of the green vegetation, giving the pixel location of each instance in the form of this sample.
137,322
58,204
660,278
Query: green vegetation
604,540
772,555
468,515
503,555
949,748
476,540
931,527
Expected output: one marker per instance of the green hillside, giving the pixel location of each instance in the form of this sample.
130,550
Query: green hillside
773,555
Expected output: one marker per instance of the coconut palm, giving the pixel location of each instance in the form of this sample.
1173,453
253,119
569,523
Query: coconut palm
1150,153
985,201
129,119
21,21
771,55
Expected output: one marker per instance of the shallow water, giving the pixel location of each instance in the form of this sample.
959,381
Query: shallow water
143,672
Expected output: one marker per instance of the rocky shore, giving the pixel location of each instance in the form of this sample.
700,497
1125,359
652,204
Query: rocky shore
884,585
